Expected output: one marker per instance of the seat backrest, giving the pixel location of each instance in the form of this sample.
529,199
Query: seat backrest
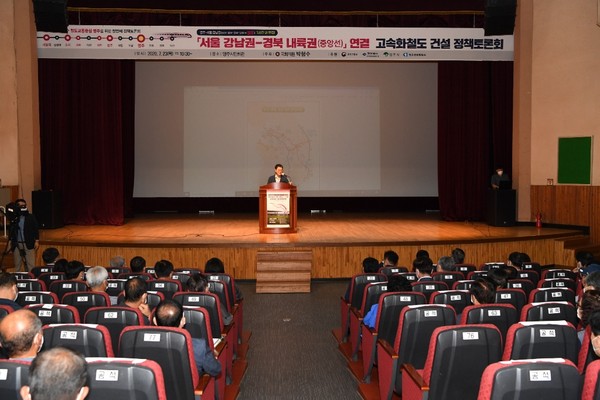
116,271
115,319
476,274
388,313
458,299
591,383
558,273
37,271
171,348
114,287
181,277
197,323
500,315
555,339
558,283
83,301
357,286
417,323
457,356
227,280
23,275
55,313
428,287
548,379
120,378
516,297
168,287
5,310
410,276
492,265
91,340
532,266
188,271
524,284
25,298
387,271
465,268
49,277
31,285
371,295
448,276
218,288
530,274
130,275
63,287
552,294
550,311
208,301
587,355
463,285
13,375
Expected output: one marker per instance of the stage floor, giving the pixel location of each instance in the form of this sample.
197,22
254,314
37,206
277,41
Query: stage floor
332,229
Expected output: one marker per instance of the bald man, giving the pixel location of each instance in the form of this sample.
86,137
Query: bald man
21,335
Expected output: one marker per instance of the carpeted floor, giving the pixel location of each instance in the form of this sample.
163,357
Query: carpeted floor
292,353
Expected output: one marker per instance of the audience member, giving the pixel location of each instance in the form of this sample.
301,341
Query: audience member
60,265
198,283
586,264
49,256
117,262
594,323
216,266
422,253
591,281
163,269
136,297
170,313
483,291
499,276
445,263
137,264
370,265
75,270
390,259
588,304
396,283
57,374
458,255
9,290
97,280
423,266
21,335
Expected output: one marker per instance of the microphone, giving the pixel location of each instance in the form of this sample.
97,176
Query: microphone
289,178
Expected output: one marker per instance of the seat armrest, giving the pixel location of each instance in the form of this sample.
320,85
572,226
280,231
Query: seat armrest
388,348
205,387
414,386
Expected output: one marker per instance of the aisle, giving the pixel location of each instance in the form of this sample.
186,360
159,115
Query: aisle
292,353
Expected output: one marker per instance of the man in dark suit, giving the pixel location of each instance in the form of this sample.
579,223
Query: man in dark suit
423,266
24,237
279,175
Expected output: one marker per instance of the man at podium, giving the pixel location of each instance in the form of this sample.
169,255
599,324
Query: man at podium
279,176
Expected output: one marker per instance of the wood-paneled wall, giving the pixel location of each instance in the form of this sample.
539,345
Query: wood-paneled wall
569,205
327,261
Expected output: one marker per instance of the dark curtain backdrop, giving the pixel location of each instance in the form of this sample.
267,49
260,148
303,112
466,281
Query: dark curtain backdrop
87,137
474,134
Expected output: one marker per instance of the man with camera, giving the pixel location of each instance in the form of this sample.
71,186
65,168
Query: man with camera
24,235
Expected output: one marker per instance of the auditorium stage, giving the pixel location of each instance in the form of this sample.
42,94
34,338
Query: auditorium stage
338,241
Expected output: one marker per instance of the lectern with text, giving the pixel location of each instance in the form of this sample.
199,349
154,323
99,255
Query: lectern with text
277,208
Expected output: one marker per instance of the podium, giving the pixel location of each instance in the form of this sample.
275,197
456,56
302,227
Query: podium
277,208
501,207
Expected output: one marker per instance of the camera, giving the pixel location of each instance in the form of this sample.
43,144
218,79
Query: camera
13,212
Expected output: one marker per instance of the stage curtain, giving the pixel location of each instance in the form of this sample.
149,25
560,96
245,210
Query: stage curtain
474,134
86,137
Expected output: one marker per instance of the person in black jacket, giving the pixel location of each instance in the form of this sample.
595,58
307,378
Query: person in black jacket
24,237
279,175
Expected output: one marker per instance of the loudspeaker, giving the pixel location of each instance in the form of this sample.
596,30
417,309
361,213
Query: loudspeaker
51,15
499,17
47,208
502,207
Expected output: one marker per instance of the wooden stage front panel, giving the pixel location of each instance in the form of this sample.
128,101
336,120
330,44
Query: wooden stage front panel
338,242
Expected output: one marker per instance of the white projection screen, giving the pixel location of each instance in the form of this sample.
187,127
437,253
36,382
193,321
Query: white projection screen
216,129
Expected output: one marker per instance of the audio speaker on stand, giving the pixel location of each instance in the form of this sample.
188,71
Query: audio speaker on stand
47,208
